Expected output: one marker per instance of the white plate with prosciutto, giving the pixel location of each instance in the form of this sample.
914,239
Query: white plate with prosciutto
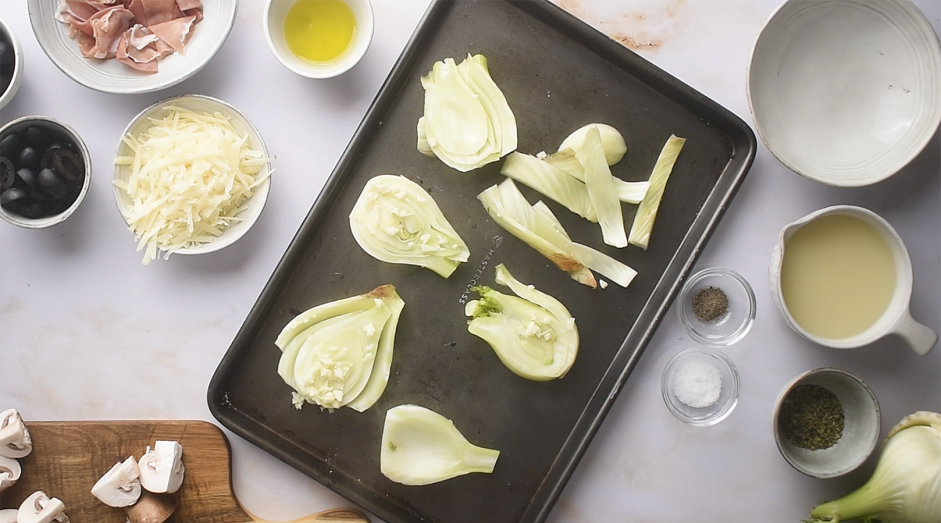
131,46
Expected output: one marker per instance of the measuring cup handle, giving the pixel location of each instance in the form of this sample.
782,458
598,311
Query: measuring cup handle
919,337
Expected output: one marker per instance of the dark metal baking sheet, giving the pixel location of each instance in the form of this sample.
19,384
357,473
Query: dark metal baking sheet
557,74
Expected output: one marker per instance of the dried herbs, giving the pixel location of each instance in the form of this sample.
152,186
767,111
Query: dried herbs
811,417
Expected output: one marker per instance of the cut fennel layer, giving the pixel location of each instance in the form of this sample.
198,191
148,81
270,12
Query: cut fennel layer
420,446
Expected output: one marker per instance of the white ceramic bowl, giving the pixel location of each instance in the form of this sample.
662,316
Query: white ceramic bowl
861,423
896,319
60,128
275,15
846,92
111,76
242,125
14,86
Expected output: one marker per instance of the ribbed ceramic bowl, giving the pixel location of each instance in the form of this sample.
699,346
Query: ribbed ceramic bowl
846,92
242,125
7,94
862,422
111,76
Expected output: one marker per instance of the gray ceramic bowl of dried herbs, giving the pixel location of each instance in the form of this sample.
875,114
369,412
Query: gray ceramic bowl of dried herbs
826,422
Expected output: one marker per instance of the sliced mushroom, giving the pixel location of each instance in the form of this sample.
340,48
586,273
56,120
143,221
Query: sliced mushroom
40,508
9,472
8,515
151,508
120,486
14,438
161,468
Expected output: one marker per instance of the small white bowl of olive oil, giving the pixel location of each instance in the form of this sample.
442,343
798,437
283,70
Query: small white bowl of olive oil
319,38
842,277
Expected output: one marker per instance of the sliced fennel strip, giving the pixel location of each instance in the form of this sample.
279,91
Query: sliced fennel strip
551,182
647,210
601,189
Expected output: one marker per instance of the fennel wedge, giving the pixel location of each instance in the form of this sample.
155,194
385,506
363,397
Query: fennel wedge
467,122
396,221
420,446
532,333
540,229
340,353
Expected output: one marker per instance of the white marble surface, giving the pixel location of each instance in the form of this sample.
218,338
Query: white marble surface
87,332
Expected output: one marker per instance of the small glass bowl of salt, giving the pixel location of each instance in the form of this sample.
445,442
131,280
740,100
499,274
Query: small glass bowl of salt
700,386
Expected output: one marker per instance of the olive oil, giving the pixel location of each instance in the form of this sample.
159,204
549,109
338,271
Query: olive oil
319,31
838,276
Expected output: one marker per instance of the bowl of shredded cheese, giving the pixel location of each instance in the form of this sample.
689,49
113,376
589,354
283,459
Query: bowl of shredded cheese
191,176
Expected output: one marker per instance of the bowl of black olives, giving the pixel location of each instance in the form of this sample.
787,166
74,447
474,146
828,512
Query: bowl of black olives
11,65
45,172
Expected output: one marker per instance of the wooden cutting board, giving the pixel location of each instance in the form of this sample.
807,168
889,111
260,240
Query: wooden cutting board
69,457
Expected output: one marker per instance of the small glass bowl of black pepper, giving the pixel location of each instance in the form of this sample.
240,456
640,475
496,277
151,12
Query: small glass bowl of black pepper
717,307
826,422
45,172
11,64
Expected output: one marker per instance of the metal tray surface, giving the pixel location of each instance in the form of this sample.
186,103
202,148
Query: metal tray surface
557,74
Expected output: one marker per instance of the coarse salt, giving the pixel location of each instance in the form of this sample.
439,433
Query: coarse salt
697,384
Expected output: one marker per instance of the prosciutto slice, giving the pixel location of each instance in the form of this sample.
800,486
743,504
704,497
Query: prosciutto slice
135,32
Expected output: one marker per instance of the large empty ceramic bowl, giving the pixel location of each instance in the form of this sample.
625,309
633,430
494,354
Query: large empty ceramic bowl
846,92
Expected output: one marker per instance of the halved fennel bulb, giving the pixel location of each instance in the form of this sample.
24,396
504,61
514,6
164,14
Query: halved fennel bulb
541,230
396,221
647,210
420,446
340,353
467,122
533,334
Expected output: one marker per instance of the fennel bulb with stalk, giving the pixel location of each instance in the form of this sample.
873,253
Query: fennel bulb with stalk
533,334
420,446
905,487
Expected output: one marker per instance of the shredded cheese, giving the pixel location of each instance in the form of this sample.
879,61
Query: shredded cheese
192,174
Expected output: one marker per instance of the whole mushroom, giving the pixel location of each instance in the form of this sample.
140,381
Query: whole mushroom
120,486
151,508
14,438
161,468
40,508
9,472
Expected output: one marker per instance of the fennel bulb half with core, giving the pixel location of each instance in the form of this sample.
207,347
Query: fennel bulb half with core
533,334
420,446
340,353
905,487
467,122
396,221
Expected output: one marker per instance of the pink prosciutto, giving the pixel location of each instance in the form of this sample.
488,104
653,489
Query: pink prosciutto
136,32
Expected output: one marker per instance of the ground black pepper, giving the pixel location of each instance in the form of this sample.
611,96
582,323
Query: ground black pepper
710,304
811,417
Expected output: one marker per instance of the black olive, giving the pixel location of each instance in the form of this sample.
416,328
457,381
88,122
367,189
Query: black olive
6,54
7,173
10,196
26,178
39,137
11,145
30,210
29,158
52,184
38,196
46,162
69,165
